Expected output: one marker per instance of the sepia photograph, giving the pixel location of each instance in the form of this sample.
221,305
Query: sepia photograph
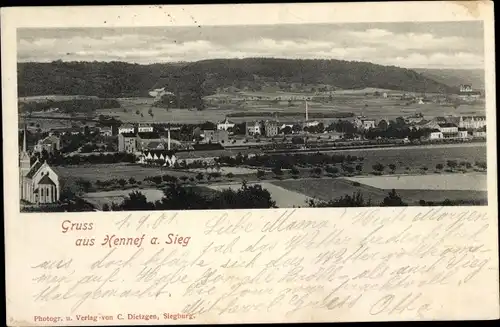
252,116
250,163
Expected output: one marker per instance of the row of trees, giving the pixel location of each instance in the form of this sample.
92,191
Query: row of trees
287,161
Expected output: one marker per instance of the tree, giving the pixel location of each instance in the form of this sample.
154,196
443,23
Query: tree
393,200
317,170
452,164
439,166
122,182
392,167
230,175
378,167
105,207
136,201
132,180
199,176
359,168
260,173
383,125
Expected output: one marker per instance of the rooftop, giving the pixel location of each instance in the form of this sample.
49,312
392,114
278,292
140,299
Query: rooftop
46,180
34,169
447,125
149,135
128,134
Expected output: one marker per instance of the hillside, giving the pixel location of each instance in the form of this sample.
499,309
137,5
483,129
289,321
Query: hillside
455,77
118,79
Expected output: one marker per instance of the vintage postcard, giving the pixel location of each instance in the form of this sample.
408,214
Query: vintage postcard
250,163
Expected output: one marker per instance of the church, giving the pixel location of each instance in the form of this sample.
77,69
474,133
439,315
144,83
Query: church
39,184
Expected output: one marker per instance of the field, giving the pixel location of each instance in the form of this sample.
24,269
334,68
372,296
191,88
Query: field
284,198
416,157
411,189
104,172
249,102
458,182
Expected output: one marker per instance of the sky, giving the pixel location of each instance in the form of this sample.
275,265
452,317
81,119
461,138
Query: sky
409,45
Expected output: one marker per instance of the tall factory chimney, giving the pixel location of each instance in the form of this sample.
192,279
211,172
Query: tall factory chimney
168,144
307,114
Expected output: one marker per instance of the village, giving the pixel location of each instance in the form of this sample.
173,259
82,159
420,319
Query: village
191,146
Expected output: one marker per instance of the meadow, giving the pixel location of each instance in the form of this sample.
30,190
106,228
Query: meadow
105,172
417,157
222,105
411,189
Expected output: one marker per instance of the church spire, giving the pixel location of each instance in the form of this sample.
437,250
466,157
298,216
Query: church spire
24,137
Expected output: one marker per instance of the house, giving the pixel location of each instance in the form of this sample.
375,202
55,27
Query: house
435,134
462,133
253,128
127,128
312,123
448,128
106,131
225,125
271,128
472,122
361,122
480,133
215,136
50,144
127,142
144,128
38,183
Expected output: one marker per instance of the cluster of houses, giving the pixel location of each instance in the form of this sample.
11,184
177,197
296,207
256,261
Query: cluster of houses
452,127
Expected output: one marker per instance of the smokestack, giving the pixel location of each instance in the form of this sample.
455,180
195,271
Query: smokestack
168,144
307,114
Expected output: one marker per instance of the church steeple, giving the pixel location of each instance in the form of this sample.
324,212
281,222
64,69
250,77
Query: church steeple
24,158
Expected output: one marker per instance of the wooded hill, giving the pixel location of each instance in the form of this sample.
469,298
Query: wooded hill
119,79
